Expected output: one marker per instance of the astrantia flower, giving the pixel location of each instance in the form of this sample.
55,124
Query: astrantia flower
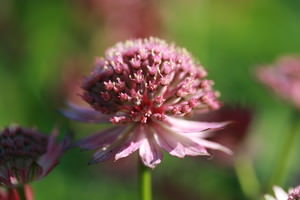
280,194
26,155
283,79
145,87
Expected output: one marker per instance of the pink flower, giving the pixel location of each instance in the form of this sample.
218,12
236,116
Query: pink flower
126,19
283,78
146,87
26,155
280,194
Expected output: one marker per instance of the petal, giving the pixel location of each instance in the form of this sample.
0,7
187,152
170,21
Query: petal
83,114
51,157
149,150
213,145
110,149
177,144
100,139
104,154
192,143
269,197
132,145
193,126
280,194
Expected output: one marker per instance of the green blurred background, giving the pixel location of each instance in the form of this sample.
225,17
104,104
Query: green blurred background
46,45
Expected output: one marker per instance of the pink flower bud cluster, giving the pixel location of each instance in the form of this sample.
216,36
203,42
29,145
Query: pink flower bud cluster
148,79
26,155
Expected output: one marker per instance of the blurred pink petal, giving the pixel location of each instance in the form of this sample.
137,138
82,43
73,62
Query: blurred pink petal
100,139
186,126
80,113
54,151
283,78
280,194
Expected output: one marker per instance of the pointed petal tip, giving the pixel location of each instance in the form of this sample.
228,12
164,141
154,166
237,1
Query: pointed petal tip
118,156
227,151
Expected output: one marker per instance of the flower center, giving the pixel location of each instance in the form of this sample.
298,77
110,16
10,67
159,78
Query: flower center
142,113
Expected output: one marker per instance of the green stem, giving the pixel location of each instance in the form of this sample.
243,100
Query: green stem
145,187
21,192
283,158
247,177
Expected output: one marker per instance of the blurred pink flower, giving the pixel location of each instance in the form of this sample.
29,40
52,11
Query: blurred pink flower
146,87
233,136
283,78
123,19
26,155
280,194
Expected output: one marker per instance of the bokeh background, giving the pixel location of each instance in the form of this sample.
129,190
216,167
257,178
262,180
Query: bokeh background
46,46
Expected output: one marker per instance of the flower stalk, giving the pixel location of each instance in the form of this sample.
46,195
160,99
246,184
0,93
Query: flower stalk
145,181
285,153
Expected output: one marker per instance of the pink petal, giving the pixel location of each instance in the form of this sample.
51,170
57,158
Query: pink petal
149,150
104,154
83,114
132,145
100,139
51,157
280,194
176,144
212,145
193,126
110,149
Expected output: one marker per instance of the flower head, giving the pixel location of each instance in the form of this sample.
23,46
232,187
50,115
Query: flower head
26,155
144,87
280,194
283,79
